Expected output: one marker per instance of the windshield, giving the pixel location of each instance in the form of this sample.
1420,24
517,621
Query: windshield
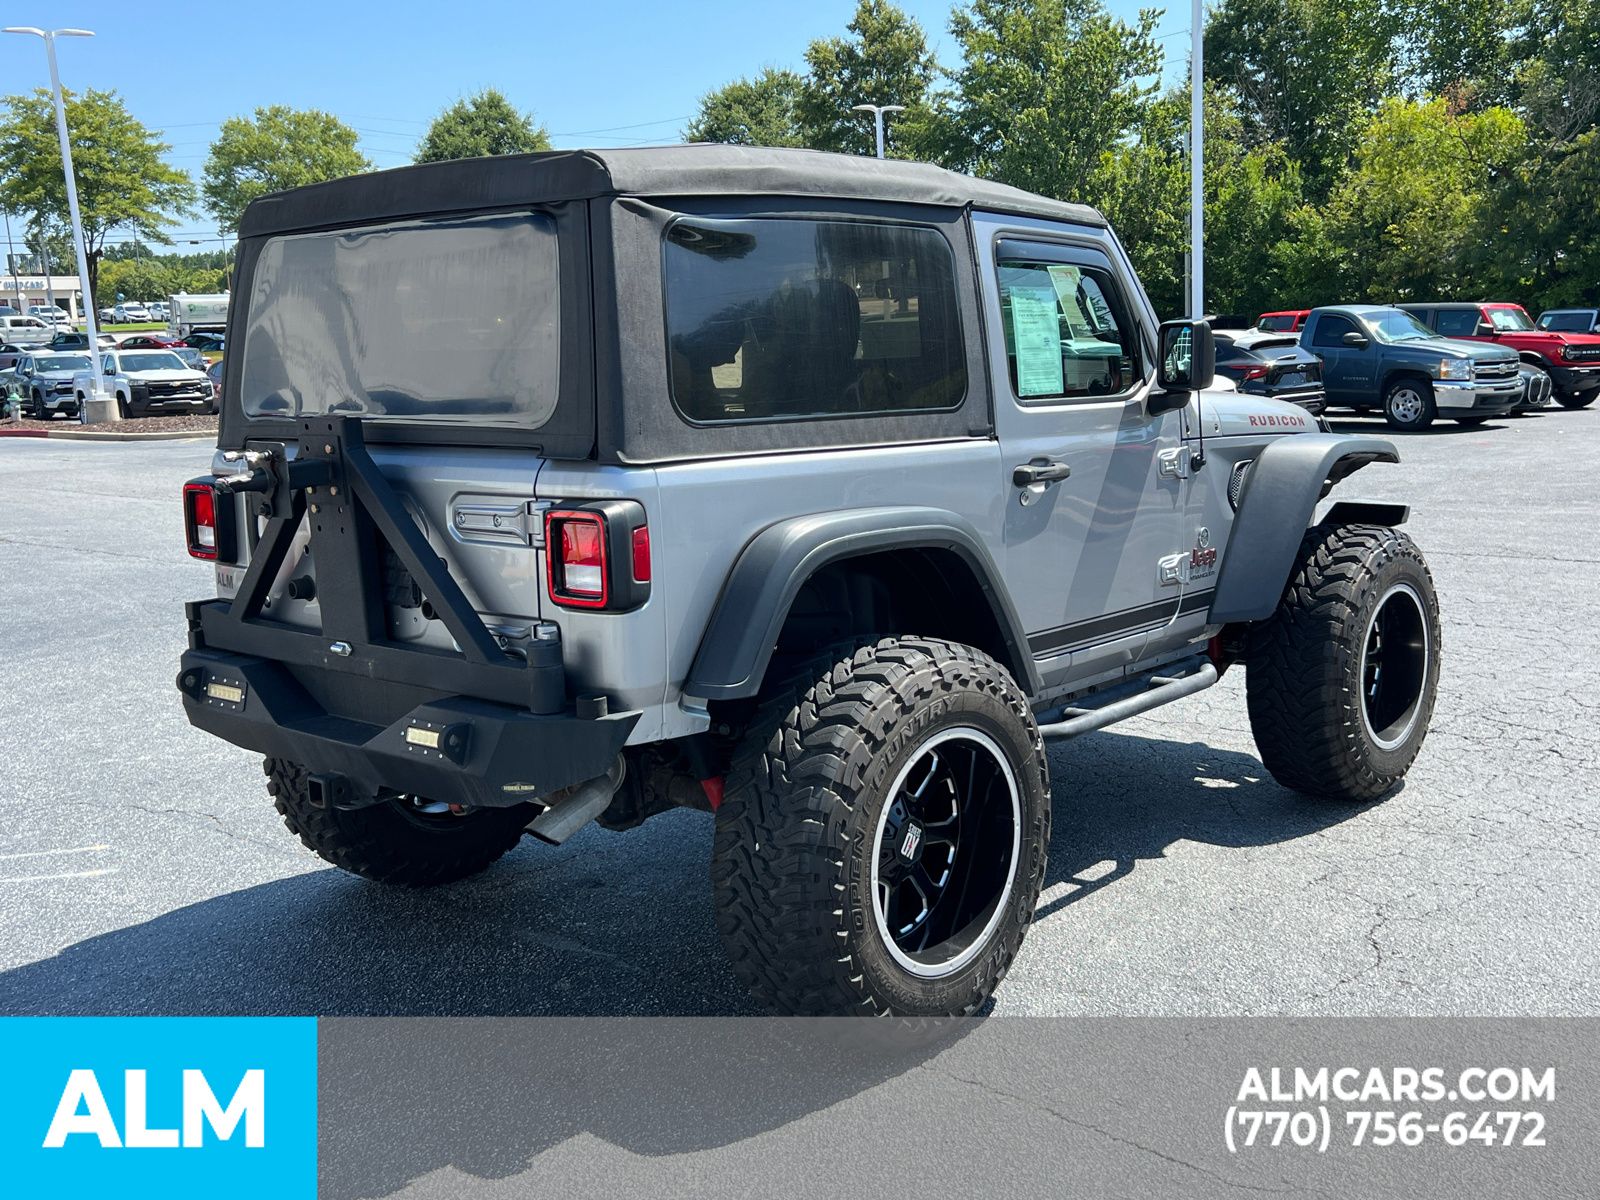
1509,320
150,360
426,320
1392,325
1569,322
63,362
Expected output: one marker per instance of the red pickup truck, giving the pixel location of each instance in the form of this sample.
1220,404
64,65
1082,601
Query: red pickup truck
1572,360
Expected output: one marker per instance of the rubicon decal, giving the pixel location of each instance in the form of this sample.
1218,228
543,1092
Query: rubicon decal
1277,421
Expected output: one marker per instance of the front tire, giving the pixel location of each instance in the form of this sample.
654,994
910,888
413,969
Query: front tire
1408,404
883,838
1341,679
1577,401
394,841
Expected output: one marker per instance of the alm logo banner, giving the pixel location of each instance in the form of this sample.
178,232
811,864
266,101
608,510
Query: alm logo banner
158,1106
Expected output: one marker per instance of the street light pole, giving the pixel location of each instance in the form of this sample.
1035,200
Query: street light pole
1197,173
11,261
878,112
96,407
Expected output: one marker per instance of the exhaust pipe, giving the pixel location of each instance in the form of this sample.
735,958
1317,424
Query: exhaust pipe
577,806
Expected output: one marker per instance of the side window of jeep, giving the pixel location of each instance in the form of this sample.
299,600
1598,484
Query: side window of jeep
1066,331
1457,322
787,319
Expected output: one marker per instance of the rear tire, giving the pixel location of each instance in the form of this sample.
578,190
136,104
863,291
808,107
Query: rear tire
1341,679
389,841
882,842
1408,404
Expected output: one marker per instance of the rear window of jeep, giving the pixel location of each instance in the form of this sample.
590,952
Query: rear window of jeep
774,319
442,320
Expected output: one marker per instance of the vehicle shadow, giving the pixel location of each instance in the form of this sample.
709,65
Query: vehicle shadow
1353,423
607,925
1119,799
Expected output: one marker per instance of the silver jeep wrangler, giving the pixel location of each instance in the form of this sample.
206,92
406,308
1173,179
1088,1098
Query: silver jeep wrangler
815,492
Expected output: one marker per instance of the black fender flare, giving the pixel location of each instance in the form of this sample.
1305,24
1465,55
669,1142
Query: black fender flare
1280,494
775,564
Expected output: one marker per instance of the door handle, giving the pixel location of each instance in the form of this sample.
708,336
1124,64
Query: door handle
1040,470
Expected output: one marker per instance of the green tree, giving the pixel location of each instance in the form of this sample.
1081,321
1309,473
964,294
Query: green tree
1044,89
479,126
750,112
1416,215
278,148
885,60
1142,187
123,182
140,278
1252,199
1469,48
1308,74
1253,196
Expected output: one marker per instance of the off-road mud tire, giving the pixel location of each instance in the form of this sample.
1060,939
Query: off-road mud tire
797,831
1304,665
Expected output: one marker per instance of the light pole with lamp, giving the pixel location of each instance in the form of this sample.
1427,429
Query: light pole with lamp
96,407
879,111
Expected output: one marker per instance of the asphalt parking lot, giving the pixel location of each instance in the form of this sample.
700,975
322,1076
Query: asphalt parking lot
143,870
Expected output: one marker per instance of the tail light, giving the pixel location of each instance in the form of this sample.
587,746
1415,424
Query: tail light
207,522
1254,373
597,555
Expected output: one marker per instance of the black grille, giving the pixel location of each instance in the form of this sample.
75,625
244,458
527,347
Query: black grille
1583,354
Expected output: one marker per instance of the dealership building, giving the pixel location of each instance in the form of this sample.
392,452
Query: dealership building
24,291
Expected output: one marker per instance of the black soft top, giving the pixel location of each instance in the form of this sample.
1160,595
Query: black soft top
693,170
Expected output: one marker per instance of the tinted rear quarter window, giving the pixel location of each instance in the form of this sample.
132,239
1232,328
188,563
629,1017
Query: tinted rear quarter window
780,319
1456,322
447,320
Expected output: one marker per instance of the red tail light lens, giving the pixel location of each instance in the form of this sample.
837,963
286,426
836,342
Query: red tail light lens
597,555
575,545
641,554
200,519
1255,373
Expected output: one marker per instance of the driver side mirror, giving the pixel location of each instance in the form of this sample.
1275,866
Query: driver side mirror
1484,329
1187,362
1359,340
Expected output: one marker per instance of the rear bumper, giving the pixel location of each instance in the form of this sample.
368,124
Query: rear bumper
487,755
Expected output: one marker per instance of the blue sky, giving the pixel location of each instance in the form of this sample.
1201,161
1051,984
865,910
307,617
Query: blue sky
599,73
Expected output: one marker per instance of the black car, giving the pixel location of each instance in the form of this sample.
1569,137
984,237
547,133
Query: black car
1276,367
80,341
